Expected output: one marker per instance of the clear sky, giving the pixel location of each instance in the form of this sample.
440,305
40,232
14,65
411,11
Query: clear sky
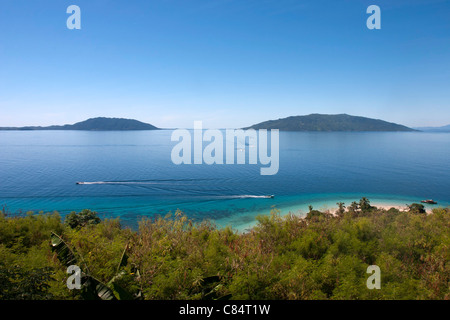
229,63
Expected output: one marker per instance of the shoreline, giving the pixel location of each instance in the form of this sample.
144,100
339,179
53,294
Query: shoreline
244,220
301,210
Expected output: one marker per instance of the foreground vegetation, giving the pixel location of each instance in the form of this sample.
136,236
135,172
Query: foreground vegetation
321,256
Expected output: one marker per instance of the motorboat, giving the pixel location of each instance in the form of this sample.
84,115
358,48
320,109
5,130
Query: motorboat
429,201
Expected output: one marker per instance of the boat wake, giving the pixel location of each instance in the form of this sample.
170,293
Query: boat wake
243,196
248,196
171,182
156,181
116,182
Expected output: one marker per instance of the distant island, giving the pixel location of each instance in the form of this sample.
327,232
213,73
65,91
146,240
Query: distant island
434,129
327,122
96,124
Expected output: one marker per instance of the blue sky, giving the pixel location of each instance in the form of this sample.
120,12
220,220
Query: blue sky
229,63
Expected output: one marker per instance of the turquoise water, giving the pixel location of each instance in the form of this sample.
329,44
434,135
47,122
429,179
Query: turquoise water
135,176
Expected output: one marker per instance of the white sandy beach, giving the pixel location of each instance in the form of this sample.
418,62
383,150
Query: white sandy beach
326,206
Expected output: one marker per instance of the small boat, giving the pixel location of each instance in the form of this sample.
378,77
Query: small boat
271,196
429,201
79,183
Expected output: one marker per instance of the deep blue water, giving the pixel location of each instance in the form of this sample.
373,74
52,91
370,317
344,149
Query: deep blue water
38,171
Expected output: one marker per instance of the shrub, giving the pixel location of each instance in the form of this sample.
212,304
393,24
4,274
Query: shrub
81,219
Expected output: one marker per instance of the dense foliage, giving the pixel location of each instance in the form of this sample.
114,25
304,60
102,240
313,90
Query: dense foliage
320,256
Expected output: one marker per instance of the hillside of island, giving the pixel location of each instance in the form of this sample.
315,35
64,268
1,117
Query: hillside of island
327,122
95,124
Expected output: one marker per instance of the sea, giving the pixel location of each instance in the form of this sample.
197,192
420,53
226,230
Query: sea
131,175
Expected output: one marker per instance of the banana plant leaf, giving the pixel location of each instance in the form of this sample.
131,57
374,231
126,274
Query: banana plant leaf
65,255
123,260
92,289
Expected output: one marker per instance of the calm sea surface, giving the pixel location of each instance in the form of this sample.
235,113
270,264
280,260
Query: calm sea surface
135,176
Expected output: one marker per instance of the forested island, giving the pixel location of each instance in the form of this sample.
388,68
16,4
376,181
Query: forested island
324,255
328,122
95,124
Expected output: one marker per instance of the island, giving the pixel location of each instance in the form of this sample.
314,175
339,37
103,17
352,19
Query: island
327,122
434,129
95,124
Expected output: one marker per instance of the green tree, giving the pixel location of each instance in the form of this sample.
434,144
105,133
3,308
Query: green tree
81,219
417,208
353,208
364,205
341,209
